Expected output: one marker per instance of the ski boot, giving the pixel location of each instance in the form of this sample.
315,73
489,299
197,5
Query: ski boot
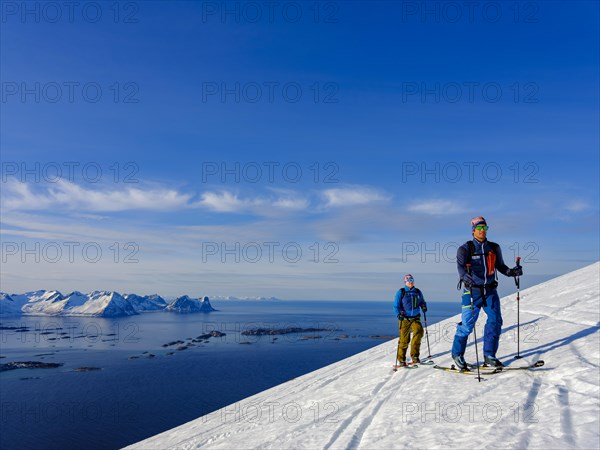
460,362
489,360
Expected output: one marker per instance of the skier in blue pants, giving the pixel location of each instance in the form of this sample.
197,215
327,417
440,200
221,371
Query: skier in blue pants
480,282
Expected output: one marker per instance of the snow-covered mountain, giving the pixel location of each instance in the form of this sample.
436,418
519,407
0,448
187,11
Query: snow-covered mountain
53,303
146,303
97,303
42,302
206,306
185,304
359,403
103,303
9,305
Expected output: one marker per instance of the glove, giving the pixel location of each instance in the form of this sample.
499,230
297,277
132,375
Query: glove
402,315
424,308
467,280
516,271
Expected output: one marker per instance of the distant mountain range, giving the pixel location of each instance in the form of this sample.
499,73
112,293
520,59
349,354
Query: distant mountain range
220,297
96,304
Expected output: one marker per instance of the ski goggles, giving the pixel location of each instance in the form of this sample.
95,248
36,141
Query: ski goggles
481,227
409,280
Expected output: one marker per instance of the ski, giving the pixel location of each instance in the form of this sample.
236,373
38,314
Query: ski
424,363
409,366
488,370
539,363
466,372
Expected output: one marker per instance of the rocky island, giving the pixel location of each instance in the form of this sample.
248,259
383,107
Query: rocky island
28,365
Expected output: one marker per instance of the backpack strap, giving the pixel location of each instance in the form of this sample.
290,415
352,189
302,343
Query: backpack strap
404,292
419,296
471,246
471,252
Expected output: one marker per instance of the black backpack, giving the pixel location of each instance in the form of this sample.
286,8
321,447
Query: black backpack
472,253
404,292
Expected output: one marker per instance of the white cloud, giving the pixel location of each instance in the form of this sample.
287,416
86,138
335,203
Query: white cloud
577,206
67,195
436,207
352,196
290,199
223,202
229,202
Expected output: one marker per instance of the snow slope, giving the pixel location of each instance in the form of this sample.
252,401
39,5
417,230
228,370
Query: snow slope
41,302
360,403
103,303
10,306
146,303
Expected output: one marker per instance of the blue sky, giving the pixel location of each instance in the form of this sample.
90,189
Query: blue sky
294,152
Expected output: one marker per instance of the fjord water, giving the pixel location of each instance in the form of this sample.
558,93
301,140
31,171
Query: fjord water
144,388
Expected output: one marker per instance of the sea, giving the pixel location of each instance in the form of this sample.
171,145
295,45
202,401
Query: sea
123,380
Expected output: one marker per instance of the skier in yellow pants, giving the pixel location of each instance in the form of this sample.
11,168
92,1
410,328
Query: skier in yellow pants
408,304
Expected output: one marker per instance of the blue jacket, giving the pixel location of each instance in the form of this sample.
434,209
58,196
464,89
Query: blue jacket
411,302
484,263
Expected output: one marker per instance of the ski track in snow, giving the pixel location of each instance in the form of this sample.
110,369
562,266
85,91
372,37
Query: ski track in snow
566,421
350,433
359,403
534,390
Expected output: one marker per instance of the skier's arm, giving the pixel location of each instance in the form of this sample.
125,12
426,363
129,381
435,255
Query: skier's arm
423,303
397,306
461,259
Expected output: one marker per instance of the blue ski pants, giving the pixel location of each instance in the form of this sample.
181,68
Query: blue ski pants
493,325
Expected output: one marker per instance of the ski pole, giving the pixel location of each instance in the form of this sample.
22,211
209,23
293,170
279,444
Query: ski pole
396,360
518,283
474,324
397,349
426,333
